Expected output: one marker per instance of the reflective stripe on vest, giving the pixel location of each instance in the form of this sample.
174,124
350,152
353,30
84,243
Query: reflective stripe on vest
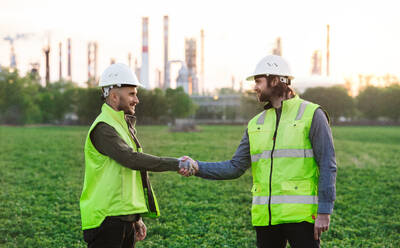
282,153
290,199
302,107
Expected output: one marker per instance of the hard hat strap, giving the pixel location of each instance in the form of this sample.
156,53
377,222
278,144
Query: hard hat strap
106,90
284,80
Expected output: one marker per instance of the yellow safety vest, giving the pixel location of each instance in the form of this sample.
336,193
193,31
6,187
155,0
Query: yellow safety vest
285,173
111,189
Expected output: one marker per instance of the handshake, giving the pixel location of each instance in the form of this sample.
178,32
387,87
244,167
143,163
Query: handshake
187,166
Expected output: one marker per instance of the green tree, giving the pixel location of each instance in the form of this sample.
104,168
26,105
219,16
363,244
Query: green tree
17,104
369,102
391,102
179,103
335,100
152,107
55,101
250,106
87,104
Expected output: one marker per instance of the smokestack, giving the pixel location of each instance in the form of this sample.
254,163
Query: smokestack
129,59
47,54
95,61
92,63
13,60
46,51
89,63
190,58
137,70
327,51
278,47
60,60
158,78
316,67
144,70
201,87
69,59
166,69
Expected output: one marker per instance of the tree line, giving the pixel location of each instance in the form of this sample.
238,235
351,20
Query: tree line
23,100
372,103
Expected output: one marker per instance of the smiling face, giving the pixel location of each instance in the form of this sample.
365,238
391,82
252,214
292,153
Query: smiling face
125,99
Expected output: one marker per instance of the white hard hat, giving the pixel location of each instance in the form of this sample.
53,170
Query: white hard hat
272,65
118,74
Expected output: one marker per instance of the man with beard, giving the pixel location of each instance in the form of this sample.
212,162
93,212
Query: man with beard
117,191
290,149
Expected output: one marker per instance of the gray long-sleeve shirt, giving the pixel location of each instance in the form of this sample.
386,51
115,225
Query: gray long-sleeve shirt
324,153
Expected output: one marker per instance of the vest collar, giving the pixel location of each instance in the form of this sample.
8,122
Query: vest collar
116,115
287,103
290,102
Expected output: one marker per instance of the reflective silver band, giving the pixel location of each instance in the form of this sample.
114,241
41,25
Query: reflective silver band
294,153
302,108
284,153
265,155
290,199
261,118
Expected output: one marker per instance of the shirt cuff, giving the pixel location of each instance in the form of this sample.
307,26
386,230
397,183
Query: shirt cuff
325,207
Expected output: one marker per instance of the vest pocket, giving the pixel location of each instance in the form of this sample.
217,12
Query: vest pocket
296,187
255,188
259,189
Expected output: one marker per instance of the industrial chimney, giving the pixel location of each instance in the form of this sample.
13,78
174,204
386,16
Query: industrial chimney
201,86
327,51
60,60
46,51
92,63
166,69
144,70
69,59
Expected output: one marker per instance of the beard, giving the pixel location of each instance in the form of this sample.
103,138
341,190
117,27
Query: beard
127,108
264,96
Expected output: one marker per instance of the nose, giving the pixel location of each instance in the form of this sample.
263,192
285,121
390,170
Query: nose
136,100
255,88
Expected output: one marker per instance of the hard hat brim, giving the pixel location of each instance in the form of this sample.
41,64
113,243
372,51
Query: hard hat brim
106,84
251,77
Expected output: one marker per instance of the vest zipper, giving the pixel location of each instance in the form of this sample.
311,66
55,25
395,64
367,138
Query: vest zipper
272,166
143,173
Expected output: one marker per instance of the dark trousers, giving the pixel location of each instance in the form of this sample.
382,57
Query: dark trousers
113,233
299,235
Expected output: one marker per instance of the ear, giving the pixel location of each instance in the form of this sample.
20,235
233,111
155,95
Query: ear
275,81
114,95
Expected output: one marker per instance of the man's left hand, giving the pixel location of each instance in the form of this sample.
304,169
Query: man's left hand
140,230
321,225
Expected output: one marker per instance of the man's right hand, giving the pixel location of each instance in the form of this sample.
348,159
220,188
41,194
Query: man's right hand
187,166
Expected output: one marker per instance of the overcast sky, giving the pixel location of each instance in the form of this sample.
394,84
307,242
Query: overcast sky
365,35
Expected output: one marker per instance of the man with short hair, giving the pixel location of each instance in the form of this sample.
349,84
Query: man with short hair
290,149
117,191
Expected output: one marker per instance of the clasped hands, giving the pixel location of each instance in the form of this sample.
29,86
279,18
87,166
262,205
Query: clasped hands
187,166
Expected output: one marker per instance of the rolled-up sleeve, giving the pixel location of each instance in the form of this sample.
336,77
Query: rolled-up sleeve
229,169
324,153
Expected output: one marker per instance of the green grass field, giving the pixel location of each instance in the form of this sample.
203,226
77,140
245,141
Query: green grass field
41,176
